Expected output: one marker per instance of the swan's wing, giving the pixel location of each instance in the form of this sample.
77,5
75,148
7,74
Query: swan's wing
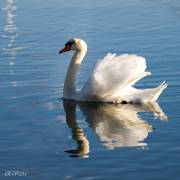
113,73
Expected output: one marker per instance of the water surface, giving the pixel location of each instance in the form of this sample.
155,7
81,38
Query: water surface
51,139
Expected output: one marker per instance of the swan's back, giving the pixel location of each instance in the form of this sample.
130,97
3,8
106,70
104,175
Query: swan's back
113,77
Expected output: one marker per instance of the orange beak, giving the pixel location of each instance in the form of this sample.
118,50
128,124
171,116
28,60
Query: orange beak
65,49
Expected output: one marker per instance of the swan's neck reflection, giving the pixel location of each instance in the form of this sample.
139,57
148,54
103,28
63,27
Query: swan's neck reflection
116,125
77,133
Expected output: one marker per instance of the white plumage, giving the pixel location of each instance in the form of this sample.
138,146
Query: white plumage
112,79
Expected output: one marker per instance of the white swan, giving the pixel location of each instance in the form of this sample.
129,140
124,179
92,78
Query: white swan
111,79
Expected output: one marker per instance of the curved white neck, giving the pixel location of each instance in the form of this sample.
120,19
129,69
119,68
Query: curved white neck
69,84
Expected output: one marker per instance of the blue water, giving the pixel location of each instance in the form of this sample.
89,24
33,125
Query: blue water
40,138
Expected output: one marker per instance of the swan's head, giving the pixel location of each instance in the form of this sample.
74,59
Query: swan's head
74,44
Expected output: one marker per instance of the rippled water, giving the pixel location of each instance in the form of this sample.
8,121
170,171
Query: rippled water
47,138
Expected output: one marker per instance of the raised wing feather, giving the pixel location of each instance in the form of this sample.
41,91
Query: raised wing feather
113,73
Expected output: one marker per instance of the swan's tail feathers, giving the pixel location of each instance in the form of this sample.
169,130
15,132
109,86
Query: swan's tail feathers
159,90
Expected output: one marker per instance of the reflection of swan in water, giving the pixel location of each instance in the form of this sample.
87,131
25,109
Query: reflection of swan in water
77,133
116,125
120,125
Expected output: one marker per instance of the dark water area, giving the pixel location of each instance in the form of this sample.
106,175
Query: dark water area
46,138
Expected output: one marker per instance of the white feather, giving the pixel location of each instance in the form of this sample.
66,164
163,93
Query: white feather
113,77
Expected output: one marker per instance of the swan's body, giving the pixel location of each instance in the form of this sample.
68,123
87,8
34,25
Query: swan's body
111,80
